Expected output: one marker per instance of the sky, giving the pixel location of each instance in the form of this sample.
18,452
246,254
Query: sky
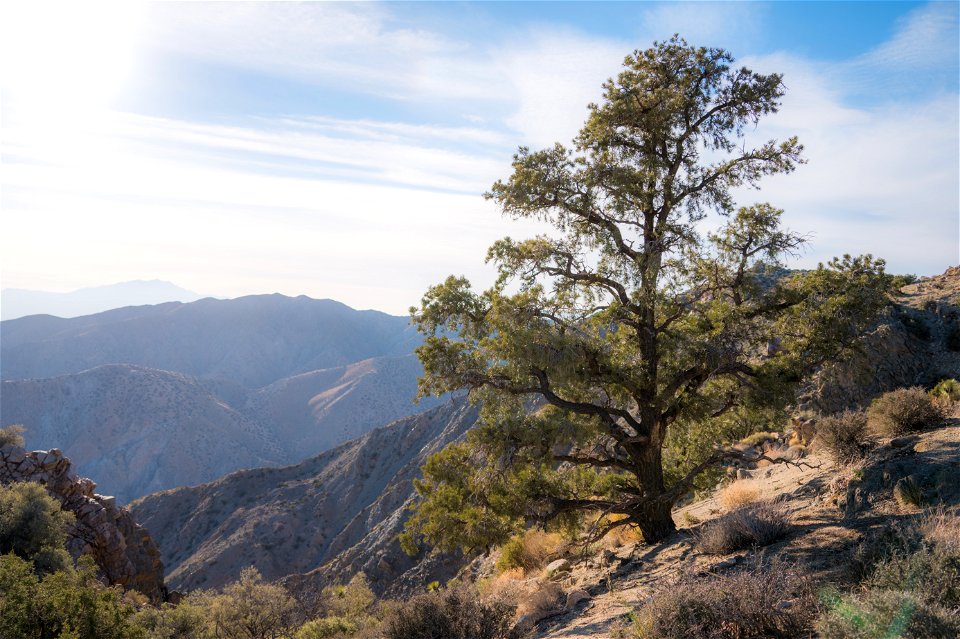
340,150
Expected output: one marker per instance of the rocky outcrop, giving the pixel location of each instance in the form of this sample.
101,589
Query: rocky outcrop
123,550
916,343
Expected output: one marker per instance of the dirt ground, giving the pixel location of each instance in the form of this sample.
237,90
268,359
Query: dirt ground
831,509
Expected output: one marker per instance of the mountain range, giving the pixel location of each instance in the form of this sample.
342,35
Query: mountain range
19,302
152,397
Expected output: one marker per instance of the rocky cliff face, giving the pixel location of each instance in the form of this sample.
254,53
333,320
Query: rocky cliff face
123,549
917,343
325,518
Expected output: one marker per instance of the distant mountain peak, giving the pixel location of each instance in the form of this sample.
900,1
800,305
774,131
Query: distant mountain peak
18,302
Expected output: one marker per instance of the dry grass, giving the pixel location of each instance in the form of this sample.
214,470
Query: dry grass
903,411
758,524
756,439
778,601
529,551
620,536
739,493
942,529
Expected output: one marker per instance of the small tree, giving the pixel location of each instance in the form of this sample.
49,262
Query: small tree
628,326
251,609
33,526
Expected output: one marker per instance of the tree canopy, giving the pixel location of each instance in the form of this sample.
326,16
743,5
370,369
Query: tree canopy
656,309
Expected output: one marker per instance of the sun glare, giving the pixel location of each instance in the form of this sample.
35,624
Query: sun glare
67,56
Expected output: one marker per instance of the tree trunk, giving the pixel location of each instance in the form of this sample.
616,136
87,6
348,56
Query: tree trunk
654,515
656,521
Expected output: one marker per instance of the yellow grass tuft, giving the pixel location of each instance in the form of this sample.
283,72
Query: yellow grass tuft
739,493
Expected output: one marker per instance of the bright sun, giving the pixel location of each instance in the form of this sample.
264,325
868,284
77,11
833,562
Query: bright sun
67,56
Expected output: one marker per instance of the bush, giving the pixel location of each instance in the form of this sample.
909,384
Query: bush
755,525
452,613
251,608
930,574
750,604
528,551
11,435
66,604
351,601
883,614
843,435
326,628
33,526
903,411
947,389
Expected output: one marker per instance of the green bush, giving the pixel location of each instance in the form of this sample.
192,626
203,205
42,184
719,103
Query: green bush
947,389
843,435
67,604
452,613
885,614
326,628
33,526
757,524
903,411
745,604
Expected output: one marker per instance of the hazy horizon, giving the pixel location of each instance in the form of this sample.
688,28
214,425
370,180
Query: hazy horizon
340,150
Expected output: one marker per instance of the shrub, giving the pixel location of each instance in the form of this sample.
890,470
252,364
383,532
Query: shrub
759,524
776,601
947,389
843,435
528,551
326,628
251,608
33,526
351,601
902,411
930,574
756,439
883,614
11,435
739,493
452,613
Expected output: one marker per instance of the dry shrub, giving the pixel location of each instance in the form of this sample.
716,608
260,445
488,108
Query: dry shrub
843,435
529,551
543,597
903,411
886,614
942,529
11,435
776,601
758,524
451,613
739,493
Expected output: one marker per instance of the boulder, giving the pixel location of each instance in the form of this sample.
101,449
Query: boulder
558,566
576,597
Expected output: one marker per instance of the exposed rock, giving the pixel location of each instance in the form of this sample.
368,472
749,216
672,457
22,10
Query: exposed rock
558,566
576,597
908,347
122,549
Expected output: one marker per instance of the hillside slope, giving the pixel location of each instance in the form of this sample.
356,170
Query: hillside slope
138,430
296,518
